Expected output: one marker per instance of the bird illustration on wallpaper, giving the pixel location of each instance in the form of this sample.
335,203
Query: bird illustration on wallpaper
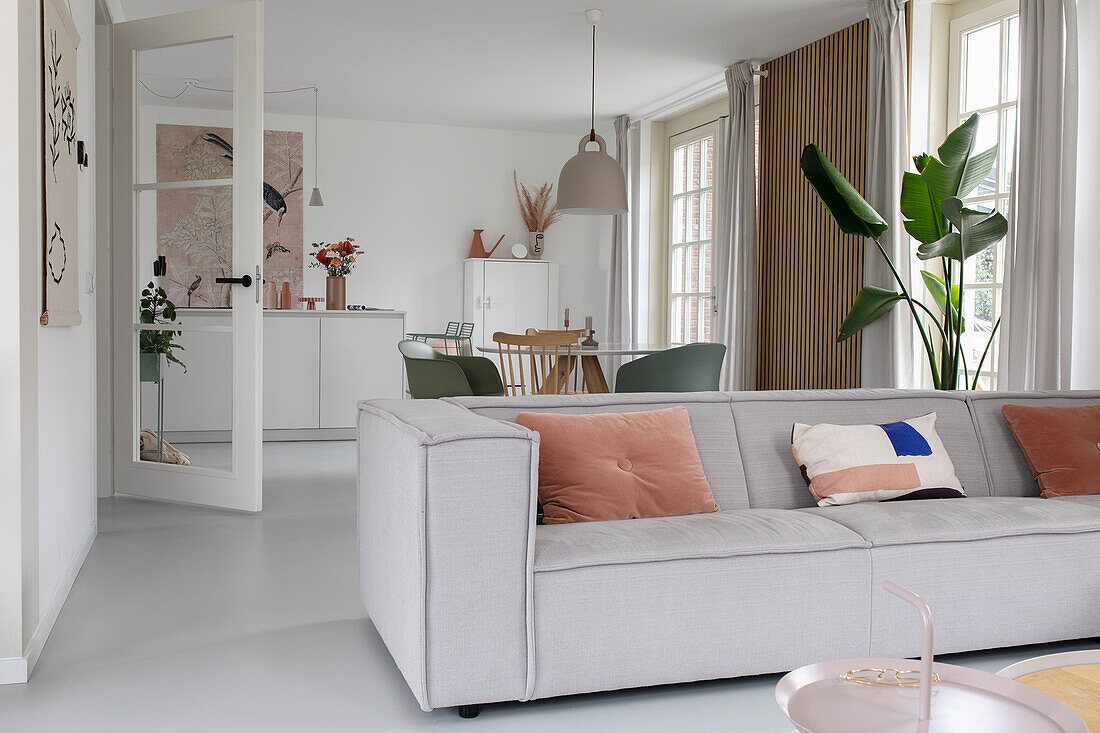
195,225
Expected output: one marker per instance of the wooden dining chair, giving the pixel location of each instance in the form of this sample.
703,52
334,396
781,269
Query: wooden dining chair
574,363
540,362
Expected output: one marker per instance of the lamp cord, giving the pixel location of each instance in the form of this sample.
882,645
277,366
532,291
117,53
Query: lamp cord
187,85
592,119
194,85
316,150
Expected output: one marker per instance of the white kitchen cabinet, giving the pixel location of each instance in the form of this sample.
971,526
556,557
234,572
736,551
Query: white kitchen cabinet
317,365
510,296
200,397
359,361
292,372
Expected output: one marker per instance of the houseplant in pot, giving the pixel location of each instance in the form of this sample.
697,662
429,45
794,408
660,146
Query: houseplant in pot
949,234
157,348
337,260
538,212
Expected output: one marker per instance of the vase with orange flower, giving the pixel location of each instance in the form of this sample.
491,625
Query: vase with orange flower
337,260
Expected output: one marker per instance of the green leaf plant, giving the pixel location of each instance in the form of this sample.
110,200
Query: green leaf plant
931,202
155,308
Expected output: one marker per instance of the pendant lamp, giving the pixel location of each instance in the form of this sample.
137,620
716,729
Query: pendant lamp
315,197
591,182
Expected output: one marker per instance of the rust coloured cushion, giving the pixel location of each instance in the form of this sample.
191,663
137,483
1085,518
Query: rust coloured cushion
618,466
1062,446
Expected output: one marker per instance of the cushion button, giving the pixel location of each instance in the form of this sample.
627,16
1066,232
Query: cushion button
625,464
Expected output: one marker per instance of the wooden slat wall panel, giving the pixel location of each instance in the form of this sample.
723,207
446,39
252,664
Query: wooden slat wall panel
809,273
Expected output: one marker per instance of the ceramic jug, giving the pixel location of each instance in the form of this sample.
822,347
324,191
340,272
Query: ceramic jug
477,247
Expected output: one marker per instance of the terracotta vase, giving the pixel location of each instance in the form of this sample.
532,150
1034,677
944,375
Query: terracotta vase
336,294
271,296
284,297
535,241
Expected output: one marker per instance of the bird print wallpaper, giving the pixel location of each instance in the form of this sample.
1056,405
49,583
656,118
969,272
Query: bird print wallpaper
195,225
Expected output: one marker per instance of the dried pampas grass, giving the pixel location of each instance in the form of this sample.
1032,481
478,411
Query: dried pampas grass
538,211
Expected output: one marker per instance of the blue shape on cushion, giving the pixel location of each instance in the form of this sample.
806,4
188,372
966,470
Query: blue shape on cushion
906,439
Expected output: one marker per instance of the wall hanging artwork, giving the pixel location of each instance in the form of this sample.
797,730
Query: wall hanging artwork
61,287
195,225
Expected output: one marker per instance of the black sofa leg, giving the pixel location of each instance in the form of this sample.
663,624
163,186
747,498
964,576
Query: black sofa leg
468,711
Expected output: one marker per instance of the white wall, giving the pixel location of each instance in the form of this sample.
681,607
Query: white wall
66,375
15,210
53,456
1086,294
411,194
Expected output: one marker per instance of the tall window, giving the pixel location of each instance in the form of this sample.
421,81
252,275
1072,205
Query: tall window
691,223
985,61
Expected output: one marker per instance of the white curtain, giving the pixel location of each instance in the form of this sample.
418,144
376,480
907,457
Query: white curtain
624,304
1037,303
734,273
886,359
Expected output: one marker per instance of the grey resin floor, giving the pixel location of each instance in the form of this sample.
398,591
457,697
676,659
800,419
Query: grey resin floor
186,619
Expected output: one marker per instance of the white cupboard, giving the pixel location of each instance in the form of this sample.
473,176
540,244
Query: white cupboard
359,361
292,372
317,366
510,296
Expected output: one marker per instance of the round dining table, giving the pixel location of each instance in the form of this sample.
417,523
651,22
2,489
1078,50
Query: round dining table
594,379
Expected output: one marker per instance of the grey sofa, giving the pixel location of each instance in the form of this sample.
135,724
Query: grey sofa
477,604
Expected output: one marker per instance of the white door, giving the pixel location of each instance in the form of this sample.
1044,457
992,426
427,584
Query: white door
190,192
515,296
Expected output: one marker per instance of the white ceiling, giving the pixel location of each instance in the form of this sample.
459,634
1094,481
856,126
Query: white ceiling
509,64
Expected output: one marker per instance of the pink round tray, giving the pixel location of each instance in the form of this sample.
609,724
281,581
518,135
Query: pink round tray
817,699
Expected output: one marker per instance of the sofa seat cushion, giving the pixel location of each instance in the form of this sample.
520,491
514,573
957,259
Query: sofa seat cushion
1086,499
961,520
719,535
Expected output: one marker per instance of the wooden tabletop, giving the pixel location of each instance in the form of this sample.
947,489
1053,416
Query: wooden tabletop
601,350
1077,686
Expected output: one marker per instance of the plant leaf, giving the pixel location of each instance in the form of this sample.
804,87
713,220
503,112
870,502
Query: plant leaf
938,290
920,161
945,174
871,304
924,219
977,231
975,171
852,213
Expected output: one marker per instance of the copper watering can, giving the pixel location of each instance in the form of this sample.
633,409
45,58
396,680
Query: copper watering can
477,247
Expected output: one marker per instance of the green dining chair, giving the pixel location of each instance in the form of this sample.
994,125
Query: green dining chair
689,368
432,374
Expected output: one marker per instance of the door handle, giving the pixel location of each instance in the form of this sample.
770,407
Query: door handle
243,280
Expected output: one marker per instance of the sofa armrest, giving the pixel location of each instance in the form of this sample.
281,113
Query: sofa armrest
446,514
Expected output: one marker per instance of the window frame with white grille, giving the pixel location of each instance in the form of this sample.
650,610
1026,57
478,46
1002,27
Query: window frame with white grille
690,286
1000,15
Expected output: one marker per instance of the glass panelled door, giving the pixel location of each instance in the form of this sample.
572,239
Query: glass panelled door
188,215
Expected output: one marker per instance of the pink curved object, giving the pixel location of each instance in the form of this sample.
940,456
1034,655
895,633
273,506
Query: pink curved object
924,710
817,698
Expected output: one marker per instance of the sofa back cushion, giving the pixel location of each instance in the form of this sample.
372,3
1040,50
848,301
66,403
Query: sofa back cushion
709,412
764,421
1008,469
623,465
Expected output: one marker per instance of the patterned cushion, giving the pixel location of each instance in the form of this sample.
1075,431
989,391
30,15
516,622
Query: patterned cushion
844,464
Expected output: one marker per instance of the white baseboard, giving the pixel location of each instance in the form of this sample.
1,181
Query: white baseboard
49,617
13,670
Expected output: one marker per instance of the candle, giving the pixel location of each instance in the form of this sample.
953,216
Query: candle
567,318
588,323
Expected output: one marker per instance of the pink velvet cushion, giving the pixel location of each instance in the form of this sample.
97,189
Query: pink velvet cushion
1061,444
618,466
